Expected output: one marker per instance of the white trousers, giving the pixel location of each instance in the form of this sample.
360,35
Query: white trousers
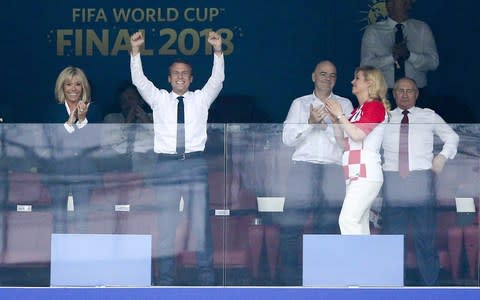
354,217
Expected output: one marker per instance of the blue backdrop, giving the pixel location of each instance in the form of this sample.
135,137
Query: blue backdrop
271,48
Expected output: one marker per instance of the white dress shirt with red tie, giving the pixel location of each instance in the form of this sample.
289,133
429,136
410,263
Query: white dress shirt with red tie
424,124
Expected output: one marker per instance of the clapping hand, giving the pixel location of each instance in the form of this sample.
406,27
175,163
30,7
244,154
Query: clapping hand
317,114
142,115
82,109
400,51
137,113
79,113
333,108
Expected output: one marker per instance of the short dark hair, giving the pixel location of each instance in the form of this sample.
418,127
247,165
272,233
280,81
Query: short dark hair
125,85
395,85
181,61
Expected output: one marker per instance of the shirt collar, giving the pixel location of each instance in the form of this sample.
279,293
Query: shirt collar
400,110
392,22
175,95
315,98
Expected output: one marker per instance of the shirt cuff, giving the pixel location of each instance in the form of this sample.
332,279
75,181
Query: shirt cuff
81,124
448,154
69,127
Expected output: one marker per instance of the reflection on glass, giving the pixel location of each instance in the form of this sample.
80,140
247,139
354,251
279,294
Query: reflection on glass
116,189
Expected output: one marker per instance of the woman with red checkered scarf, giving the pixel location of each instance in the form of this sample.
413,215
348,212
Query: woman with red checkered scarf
361,134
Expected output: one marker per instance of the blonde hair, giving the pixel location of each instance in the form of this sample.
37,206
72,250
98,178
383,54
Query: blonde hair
378,88
65,76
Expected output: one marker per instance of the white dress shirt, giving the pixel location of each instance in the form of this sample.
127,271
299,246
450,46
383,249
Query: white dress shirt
164,106
312,143
377,43
424,123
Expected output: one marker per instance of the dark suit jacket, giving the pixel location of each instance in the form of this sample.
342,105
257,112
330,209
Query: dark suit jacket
72,152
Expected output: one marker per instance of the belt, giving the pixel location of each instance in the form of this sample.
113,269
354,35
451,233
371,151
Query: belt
181,156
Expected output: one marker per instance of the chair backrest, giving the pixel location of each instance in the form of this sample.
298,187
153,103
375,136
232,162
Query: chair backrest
231,232
227,191
123,179
27,188
112,205
459,178
216,185
3,187
27,237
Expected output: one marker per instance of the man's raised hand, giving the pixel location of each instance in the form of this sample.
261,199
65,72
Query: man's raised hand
136,41
215,40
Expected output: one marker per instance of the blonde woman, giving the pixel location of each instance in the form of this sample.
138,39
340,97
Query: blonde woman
361,136
72,92
72,170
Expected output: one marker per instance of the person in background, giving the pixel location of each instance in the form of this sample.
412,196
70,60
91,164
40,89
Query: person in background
410,167
315,184
400,46
361,135
133,109
127,134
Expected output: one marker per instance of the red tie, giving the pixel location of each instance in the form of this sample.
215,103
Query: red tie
403,149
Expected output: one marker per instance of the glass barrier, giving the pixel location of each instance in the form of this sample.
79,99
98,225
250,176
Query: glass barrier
236,213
